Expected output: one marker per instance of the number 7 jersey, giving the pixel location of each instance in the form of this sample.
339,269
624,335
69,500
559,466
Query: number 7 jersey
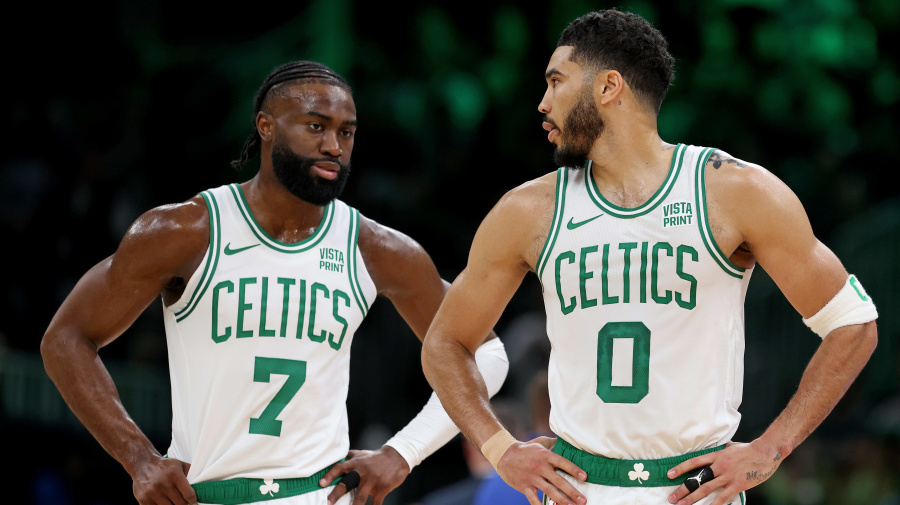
259,345
645,317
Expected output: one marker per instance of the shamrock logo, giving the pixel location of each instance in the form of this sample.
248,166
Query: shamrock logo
639,473
269,487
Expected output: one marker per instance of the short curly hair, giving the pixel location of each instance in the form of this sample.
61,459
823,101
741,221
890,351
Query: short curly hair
623,41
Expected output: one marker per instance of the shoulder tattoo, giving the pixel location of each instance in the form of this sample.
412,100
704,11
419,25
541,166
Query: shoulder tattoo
718,157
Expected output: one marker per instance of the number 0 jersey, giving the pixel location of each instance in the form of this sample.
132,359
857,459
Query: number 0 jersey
259,345
645,318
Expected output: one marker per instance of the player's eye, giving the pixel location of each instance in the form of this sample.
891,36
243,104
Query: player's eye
316,126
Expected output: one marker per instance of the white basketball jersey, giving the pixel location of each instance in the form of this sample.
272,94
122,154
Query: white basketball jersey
645,317
259,346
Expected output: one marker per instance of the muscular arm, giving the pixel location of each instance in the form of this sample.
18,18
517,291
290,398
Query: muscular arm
161,247
762,215
474,303
505,248
405,274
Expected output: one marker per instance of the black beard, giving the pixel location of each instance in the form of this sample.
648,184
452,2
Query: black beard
294,172
582,127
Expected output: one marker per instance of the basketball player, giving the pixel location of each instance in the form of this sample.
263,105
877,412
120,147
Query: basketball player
263,285
644,249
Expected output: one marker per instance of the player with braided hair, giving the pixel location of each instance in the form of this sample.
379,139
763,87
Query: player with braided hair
263,285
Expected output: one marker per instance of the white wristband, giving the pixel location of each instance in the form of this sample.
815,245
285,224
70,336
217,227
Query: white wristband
432,427
851,305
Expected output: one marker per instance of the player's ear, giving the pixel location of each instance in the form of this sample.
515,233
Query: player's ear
265,125
608,86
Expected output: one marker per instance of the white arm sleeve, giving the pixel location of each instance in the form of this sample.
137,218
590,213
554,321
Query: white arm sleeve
432,427
851,305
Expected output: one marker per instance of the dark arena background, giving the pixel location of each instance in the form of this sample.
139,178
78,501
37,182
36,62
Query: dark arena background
116,107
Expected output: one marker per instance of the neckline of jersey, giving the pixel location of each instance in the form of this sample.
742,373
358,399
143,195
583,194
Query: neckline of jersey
272,242
651,203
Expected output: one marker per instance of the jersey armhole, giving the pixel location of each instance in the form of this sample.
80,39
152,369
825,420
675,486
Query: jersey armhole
562,180
352,271
209,262
703,223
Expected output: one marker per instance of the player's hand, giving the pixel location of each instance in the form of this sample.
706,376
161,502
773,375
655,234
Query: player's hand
163,481
529,466
380,472
736,468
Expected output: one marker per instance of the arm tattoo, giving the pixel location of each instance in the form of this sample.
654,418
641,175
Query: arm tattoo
718,157
760,477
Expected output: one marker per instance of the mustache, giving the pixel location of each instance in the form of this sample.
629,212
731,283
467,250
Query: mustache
548,120
330,159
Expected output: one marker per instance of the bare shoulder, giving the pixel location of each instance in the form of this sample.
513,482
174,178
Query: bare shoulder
533,196
743,186
377,240
521,220
749,205
393,259
171,238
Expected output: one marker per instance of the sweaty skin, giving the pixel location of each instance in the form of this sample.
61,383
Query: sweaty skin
754,217
163,248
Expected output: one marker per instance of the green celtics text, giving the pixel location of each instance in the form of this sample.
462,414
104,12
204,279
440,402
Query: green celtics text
324,306
645,255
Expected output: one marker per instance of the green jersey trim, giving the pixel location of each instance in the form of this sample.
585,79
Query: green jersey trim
703,222
352,244
212,256
562,180
270,241
649,205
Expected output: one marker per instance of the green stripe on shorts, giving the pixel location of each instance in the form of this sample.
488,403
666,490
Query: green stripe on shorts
626,472
240,491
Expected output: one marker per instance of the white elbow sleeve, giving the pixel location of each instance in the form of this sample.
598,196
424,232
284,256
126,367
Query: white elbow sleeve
432,427
851,305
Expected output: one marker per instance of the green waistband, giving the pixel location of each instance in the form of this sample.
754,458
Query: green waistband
242,490
626,472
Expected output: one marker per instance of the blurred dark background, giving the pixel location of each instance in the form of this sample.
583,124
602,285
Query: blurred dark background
117,107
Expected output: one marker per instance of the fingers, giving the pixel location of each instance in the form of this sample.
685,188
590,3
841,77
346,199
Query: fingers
349,482
184,487
567,466
685,466
682,496
166,484
330,475
336,493
187,492
362,495
725,496
698,489
568,493
531,495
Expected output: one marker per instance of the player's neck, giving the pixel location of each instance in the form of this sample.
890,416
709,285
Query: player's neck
279,212
630,165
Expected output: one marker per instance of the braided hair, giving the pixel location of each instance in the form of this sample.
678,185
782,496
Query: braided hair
297,70
626,42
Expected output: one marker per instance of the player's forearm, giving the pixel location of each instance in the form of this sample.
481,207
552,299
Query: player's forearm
432,428
453,374
83,381
832,369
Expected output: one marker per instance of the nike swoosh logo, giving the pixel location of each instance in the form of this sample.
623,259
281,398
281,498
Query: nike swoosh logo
572,225
229,251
